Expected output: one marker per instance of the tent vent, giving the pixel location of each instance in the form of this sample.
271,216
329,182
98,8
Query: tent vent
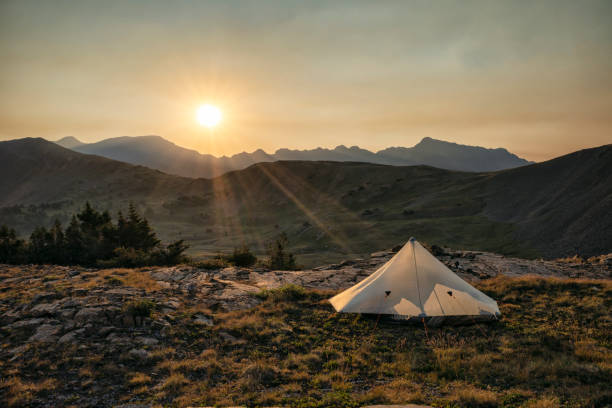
387,293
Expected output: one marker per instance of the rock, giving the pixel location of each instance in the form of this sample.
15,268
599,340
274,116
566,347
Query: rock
147,341
397,406
69,337
25,324
139,354
66,314
80,292
173,304
231,339
199,318
159,324
117,339
90,314
103,331
44,309
44,297
46,333
18,350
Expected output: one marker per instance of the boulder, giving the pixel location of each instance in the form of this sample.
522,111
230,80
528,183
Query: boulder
147,341
45,309
90,315
44,297
46,333
139,354
199,318
25,324
69,337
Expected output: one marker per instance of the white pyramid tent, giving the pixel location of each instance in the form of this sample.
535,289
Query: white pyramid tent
414,284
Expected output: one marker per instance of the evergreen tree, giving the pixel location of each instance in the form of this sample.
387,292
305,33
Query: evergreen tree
92,239
75,246
40,247
135,231
95,228
279,257
57,244
11,248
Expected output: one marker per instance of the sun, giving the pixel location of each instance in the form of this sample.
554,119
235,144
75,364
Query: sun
209,115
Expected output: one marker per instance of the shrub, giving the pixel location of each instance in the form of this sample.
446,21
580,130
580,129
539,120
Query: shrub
140,308
242,256
171,255
211,264
128,258
286,292
475,397
260,375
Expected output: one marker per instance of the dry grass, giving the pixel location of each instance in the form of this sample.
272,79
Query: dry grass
136,278
551,348
21,393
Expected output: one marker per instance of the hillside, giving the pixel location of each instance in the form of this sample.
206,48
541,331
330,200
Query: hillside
185,336
35,171
158,153
330,210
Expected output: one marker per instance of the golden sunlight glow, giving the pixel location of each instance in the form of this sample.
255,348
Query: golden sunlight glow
209,115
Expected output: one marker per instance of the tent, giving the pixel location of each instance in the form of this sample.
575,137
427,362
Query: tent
414,285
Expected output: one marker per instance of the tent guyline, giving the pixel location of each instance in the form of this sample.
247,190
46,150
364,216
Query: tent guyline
415,285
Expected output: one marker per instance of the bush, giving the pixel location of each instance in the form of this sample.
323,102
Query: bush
286,292
139,307
260,375
171,255
127,258
211,264
242,257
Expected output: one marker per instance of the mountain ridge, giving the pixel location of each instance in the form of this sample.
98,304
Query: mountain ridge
330,210
158,153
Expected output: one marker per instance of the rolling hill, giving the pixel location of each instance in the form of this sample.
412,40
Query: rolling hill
158,153
330,210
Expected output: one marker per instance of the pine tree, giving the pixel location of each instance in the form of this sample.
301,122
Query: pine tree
135,231
56,244
40,246
75,246
11,248
279,257
96,230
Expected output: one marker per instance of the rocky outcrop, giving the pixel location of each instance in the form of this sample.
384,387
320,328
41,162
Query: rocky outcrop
134,315
81,312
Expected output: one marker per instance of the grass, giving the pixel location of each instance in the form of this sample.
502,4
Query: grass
319,205
551,349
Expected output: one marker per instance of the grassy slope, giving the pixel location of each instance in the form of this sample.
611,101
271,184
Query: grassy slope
551,348
331,211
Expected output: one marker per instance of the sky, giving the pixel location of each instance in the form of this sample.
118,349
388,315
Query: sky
531,76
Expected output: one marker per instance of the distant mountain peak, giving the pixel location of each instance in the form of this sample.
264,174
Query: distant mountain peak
69,142
156,152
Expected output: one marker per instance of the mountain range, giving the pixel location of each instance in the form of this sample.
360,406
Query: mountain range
158,153
329,210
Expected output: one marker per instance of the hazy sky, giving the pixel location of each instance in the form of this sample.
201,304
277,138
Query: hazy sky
534,77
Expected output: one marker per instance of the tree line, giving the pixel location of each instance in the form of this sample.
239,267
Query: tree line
92,239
